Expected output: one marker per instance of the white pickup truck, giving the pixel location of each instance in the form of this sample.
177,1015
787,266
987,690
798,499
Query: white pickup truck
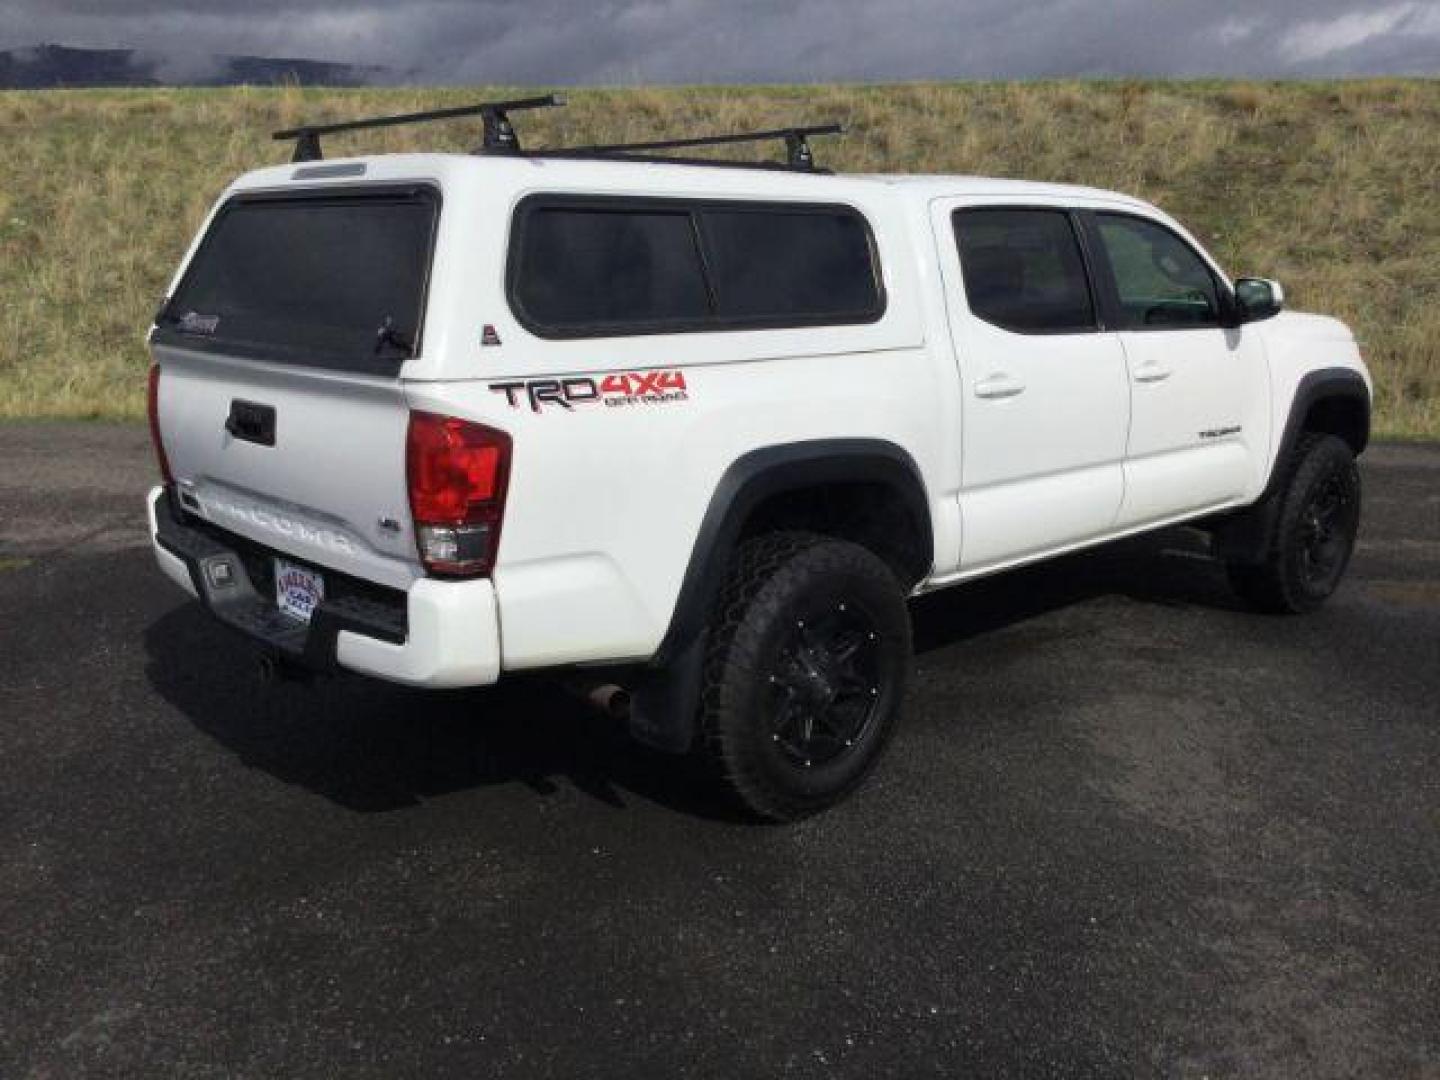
699,429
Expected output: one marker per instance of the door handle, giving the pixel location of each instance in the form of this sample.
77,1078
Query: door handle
1151,373
251,421
999,386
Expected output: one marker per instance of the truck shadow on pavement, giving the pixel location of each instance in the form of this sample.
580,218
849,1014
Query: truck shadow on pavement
1165,568
374,747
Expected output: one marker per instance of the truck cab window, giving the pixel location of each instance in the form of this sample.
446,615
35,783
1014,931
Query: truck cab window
1160,281
1023,270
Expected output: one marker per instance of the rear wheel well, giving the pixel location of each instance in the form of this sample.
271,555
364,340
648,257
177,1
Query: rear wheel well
873,515
868,491
1342,415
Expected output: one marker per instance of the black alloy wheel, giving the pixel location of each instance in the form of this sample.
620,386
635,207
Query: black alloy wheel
826,685
807,660
1316,521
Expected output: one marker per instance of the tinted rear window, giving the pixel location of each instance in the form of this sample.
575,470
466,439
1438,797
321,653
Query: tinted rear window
598,268
1023,270
616,266
311,280
773,263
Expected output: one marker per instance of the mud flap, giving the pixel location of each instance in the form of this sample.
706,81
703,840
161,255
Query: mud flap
665,701
1244,538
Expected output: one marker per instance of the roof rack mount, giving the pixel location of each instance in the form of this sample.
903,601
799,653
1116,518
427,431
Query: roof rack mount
499,132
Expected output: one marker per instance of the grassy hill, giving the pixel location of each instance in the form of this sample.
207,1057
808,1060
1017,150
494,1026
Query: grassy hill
1334,188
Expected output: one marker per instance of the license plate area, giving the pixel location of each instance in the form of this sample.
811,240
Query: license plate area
298,589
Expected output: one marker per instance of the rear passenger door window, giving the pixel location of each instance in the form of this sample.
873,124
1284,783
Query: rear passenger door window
1024,271
1160,281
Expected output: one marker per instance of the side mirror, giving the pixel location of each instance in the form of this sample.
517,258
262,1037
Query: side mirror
1258,298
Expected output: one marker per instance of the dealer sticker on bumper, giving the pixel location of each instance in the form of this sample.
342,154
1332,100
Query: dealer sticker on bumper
297,590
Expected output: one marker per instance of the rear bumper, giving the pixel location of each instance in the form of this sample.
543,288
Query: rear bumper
445,634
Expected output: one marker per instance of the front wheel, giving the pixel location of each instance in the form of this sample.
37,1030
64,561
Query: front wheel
1314,534
808,659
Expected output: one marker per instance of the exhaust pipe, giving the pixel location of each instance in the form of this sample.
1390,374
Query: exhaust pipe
608,699
613,701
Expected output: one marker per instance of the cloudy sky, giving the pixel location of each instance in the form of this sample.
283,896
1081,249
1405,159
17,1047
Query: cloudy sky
637,41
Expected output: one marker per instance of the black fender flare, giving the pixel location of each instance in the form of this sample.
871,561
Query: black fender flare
665,698
1245,535
1314,387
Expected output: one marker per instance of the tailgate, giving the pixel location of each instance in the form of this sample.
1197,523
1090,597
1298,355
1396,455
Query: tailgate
326,483
280,402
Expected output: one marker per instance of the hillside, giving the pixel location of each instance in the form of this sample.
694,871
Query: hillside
54,66
1331,188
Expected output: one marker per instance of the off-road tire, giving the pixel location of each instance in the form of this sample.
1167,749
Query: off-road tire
1314,531
767,671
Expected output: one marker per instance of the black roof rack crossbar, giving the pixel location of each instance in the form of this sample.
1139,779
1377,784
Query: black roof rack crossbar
667,159
499,134
797,148
500,137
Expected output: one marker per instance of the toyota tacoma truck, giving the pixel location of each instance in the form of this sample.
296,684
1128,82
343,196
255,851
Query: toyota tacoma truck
698,428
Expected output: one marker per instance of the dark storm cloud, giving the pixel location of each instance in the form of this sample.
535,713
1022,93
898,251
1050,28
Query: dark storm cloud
568,41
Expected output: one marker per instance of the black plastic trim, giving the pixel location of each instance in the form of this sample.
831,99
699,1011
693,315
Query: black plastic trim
695,208
1244,536
771,471
1240,315
665,695
1314,387
251,421
363,608
664,701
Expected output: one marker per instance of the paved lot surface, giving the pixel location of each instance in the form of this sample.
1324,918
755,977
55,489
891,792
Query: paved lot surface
1127,830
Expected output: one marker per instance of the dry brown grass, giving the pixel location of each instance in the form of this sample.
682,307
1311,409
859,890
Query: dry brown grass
1330,187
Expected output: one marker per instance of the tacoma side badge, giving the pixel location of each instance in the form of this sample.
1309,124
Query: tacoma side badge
488,336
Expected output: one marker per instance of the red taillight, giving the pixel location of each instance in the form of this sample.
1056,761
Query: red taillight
458,473
152,407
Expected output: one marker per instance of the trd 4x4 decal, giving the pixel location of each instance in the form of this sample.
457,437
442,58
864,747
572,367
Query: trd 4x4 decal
614,390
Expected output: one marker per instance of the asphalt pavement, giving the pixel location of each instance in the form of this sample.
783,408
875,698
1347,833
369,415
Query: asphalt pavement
1126,829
